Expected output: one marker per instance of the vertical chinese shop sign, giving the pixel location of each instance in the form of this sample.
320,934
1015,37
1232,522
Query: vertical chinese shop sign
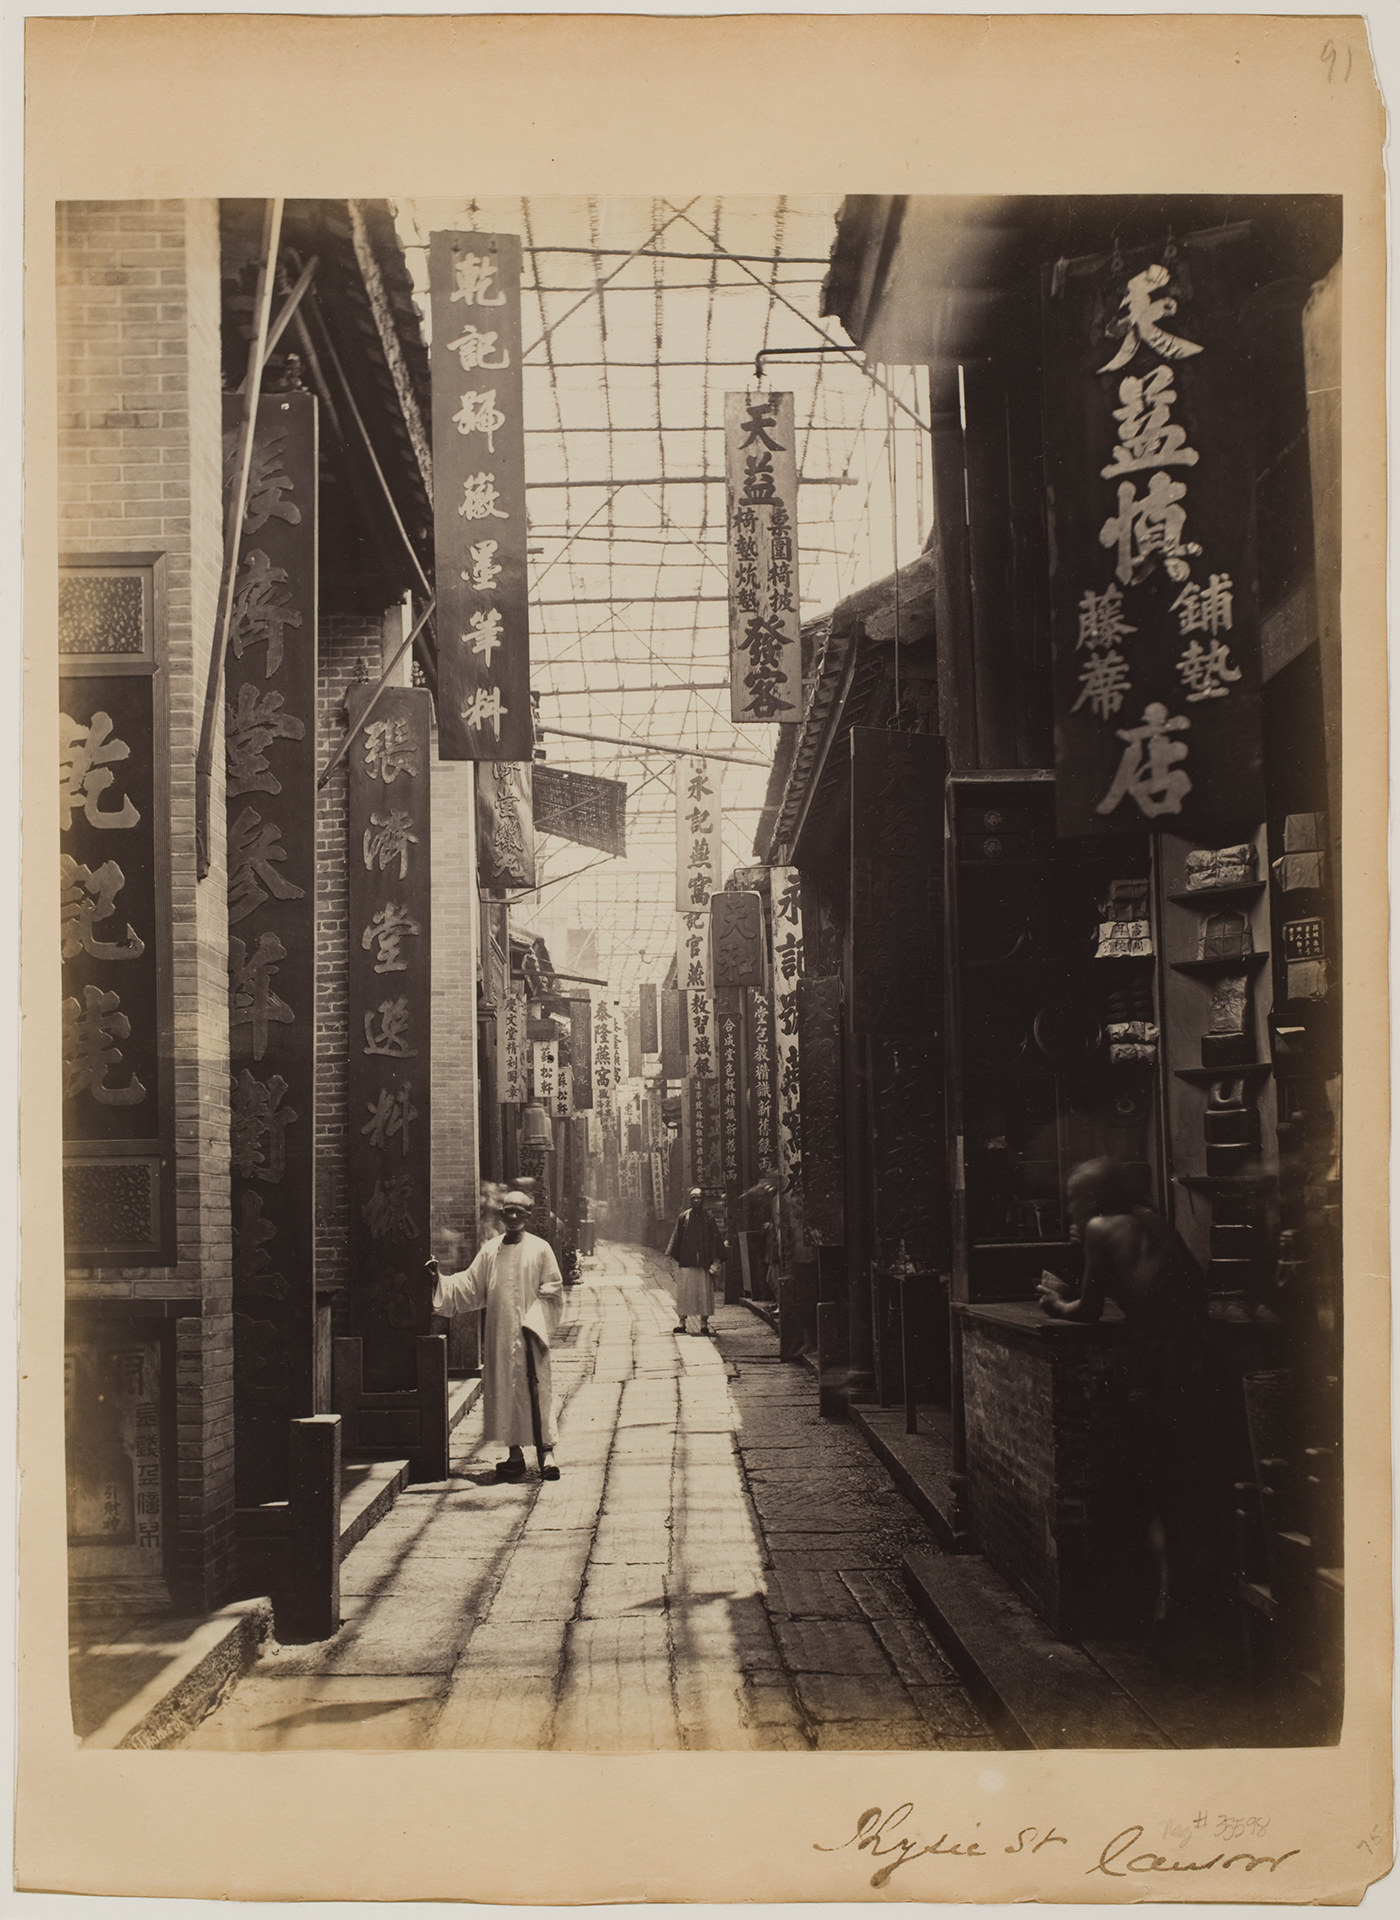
581,1053
787,970
270,760
699,823
765,640
646,998
114,891
761,1082
390,981
1154,621
512,1062
479,498
730,1076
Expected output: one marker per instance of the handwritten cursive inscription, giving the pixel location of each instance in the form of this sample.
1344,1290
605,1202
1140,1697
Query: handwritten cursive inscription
889,1838
1122,1842
875,1827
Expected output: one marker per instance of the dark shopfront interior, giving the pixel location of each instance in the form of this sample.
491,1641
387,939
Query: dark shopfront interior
1005,1039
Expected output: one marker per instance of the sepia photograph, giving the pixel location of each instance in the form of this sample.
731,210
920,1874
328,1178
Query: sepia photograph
698,986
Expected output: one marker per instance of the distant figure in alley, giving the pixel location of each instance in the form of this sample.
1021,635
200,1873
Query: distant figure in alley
696,1247
515,1281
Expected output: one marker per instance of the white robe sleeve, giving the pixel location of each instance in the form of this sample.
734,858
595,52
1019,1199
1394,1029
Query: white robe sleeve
543,1315
465,1292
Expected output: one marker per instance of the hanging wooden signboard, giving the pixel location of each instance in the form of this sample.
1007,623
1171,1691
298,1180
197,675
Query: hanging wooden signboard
673,1033
765,639
699,824
115,915
1150,478
762,1106
482,617
505,832
271,767
512,1061
731,1078
603,1065
582,808
389,897
693,950
646,1003
787,971
699,1014
581,1053
736,940
546,1074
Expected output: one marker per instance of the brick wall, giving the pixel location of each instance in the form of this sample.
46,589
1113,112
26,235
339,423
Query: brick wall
139,471
1044,1464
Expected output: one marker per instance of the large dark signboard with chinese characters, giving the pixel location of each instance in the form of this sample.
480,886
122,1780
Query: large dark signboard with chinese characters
482,615
580,807
505,829
765,640
270,762
581,1052
1153,615
114,892
736,940
387,858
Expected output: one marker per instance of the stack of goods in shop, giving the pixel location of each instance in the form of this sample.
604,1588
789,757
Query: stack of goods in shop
1125,933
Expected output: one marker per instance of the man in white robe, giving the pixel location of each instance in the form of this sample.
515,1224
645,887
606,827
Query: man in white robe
515,1281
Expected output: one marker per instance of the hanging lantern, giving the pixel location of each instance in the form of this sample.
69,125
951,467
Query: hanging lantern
536,1130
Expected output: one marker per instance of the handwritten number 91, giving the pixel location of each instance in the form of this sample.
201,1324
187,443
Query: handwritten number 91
1330,54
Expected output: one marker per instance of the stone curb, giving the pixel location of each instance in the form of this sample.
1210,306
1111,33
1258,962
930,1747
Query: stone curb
216,1652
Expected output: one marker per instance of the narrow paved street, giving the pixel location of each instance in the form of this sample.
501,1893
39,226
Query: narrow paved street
717,1568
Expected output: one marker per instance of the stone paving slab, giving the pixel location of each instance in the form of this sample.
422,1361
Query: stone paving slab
728,1632
824,1552
615,1587
789,1512
363,1712
416,1573
859,1696
830,1646
707,1580
400,1634
633,1539
446,1537
770,1709
502,1692
805,1595
870,1736
568,1503
880,1596
616,1693
954,1719
636,1486
913,1653
544,1578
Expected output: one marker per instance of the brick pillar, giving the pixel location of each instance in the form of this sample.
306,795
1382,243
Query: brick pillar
139,472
